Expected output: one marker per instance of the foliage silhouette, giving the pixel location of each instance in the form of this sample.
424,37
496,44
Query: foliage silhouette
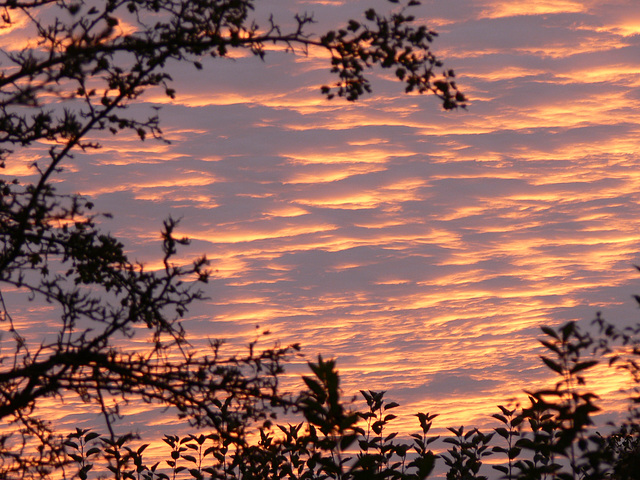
464,459
87,62
510,432
53,250
549,439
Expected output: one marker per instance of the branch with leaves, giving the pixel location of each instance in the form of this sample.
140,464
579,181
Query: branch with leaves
85,64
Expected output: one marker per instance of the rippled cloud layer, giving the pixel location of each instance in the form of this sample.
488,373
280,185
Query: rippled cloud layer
421,248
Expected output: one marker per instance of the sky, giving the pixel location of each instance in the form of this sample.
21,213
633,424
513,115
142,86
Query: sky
422,249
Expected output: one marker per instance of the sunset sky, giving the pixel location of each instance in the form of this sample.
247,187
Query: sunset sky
421,248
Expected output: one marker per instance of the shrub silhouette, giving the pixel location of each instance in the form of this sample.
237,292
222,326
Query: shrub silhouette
550,438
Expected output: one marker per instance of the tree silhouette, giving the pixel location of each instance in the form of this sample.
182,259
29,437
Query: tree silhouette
84,63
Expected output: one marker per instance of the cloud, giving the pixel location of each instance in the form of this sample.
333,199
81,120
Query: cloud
421,248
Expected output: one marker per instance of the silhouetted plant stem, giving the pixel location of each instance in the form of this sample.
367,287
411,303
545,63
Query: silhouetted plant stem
511,431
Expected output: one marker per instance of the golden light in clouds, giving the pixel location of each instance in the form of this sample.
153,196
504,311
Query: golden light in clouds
421,248
496,9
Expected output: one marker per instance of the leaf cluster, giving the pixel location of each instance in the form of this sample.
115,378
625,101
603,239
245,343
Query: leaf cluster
551,438
96,57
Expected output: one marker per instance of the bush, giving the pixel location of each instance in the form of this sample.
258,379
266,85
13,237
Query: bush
551,437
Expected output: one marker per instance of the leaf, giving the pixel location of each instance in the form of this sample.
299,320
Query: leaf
142,449
526,443
377,427
91,436
567,330
506,411
315,388
391,437
346,441
550,346
516,421
583,366
424,464
195,473
550,331
170,440
552,365
513,452
497,416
